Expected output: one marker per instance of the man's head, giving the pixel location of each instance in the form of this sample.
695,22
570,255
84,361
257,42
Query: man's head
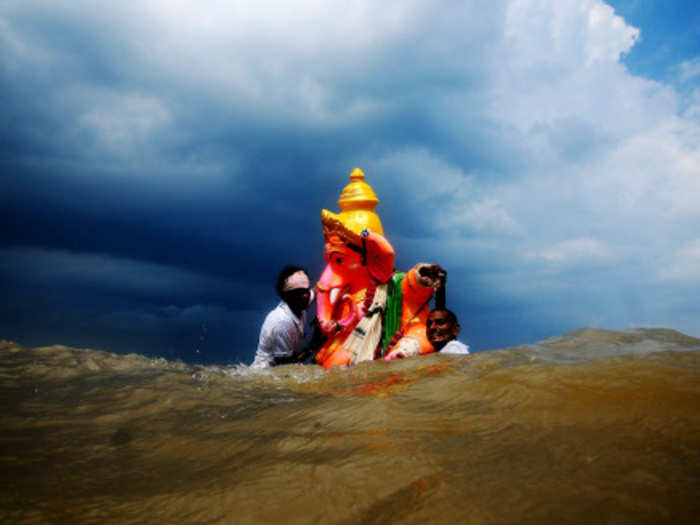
441,328
294,288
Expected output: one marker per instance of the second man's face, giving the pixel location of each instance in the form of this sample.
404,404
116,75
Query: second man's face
440,329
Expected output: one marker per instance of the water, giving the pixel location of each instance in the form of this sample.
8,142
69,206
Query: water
591,427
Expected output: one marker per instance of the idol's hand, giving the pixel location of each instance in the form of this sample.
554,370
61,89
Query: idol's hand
431,275
395,354
329,328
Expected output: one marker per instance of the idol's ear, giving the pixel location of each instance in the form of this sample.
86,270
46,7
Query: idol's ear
380,257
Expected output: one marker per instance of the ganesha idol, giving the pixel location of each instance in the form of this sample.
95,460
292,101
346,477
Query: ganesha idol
365,309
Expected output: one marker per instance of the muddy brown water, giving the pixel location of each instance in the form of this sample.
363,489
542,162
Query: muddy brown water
591,427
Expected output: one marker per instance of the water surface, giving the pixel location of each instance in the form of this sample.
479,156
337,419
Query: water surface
591,427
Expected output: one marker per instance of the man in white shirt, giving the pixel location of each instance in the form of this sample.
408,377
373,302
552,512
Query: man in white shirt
282,334
442,329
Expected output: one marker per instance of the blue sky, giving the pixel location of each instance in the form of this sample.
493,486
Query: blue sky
160,162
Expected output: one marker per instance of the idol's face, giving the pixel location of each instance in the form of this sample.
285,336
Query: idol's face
341,257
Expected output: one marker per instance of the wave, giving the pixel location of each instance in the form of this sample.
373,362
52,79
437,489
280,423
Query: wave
591,426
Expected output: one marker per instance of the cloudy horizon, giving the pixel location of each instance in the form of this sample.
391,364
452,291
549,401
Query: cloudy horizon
161,162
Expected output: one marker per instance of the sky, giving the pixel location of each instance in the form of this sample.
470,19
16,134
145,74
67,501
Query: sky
161,161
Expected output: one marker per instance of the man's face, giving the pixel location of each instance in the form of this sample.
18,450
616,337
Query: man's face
440,329
298,299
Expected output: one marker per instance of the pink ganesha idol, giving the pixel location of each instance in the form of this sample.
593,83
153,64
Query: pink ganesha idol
365,309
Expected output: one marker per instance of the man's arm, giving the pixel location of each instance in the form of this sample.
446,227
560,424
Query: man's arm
308,351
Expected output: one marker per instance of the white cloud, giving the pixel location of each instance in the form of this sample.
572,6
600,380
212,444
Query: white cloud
689,69
606,162
566,33
124,121
21,53
684,264
423,173
609,35
488,216
429,182
654,173
576,251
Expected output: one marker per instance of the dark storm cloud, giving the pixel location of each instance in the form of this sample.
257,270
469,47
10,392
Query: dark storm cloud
161,162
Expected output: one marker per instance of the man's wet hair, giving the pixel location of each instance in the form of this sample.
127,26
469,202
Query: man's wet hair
285,272
450,314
